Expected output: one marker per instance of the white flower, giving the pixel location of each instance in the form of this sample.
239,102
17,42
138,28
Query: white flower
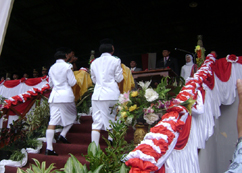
151,95
151,118
120,108
144,85
123,98
128,121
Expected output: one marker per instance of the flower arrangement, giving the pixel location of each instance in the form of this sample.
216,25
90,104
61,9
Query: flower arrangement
145,103
1,107
200,51
92,57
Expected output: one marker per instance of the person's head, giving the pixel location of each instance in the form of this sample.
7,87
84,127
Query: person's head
35,73
44,71
25,75
15,76
69,53
133,64
60,55
214,53
2,78
188,58
165,52
106,46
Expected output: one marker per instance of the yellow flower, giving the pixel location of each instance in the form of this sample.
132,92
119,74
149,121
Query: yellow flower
188,104
197,48
134,94
123,115
132,108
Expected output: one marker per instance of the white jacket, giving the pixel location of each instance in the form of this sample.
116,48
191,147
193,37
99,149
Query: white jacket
106,72
61,79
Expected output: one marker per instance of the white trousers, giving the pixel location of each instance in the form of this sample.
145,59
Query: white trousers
101,114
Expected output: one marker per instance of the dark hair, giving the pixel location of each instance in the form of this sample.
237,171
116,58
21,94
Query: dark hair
106,48
64,49
60,55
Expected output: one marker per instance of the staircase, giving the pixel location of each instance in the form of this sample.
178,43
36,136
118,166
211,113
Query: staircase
79,136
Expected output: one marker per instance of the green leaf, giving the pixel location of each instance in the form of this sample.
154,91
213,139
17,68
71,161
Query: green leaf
77,165
36,169
43,166
98,169
92,149
21,171
29,171
68,166
123,169
85,170
49,168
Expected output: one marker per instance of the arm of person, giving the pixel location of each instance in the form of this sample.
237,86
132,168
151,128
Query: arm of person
71,77
182,72
50,82
118,72
93,77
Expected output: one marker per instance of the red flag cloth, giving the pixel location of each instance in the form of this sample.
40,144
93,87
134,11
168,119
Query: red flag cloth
11,83
222,67
21,107
184,135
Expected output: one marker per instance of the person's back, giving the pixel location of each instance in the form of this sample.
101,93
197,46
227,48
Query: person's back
61,79
61,101
106,72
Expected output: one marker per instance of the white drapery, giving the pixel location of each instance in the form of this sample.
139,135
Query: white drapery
5,11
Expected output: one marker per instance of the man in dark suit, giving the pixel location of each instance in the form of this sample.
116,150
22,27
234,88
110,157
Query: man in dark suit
133,67
167,62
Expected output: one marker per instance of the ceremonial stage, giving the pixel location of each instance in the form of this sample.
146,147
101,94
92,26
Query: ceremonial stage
206,145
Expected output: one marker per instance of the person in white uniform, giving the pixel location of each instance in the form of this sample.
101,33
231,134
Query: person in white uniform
187,70
106,73
61,100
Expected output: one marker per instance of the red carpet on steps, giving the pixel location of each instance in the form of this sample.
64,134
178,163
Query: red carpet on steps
79,136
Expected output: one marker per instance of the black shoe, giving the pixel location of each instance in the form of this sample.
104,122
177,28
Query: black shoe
111,142
50,152
62,139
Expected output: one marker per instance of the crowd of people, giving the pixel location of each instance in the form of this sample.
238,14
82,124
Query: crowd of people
166,61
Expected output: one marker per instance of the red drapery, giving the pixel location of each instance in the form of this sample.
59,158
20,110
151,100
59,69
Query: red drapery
222,68
29,82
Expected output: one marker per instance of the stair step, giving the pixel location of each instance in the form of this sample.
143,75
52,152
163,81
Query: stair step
80,137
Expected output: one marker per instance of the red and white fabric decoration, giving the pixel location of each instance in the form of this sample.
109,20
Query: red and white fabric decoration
24,96
14,87
21,101
171,145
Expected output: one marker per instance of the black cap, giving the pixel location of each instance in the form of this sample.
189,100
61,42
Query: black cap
106,41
